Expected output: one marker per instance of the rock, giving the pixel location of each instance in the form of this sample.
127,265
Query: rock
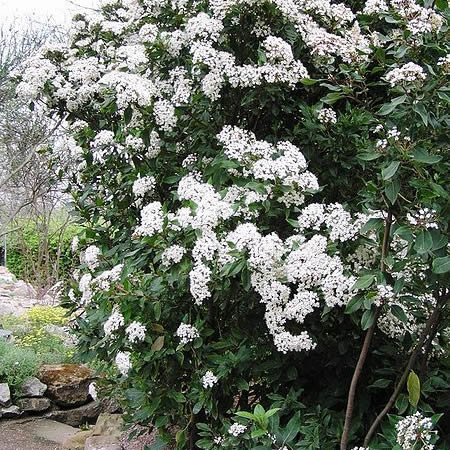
11,412
102,443
109,425
32,387
77,441
5,394
6,335
67,384
78,416
50,430
34,404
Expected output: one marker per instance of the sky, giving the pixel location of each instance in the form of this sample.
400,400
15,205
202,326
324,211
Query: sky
59,10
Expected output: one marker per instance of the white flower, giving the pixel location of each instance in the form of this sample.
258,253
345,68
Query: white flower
209,380
236,429
414,429
423,218
114,322
123,362
326,115
172,255
409,73
93,391
187,333
143,185
151,220
199,278
91,255
136,332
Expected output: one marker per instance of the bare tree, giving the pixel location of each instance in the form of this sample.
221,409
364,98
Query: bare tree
29,187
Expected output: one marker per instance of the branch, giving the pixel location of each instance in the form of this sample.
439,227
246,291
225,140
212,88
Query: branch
412,359
9,231
365,346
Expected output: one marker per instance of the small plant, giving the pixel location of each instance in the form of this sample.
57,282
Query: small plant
47,315
16,364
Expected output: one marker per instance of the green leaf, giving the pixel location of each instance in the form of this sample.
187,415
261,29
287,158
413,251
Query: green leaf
413,386
368,319
331,98
398,312
364,282
381,383
441,265
259,411
157,310
421,155
390,170
246,414
368,156
442,4
272,411
242,384
258,432
308,81
424,242
354,304
391,190
419,108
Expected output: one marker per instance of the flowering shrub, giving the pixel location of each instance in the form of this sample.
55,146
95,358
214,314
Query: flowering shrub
262,182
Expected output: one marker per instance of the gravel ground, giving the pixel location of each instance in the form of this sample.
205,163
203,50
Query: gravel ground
16,435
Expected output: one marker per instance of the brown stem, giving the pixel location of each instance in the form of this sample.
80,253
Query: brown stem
365,347
412,359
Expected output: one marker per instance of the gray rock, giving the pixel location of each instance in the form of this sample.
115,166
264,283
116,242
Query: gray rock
50,430
32,387
5,394
11,412
32,405
102,443
6,335
77,441
77,416
109,425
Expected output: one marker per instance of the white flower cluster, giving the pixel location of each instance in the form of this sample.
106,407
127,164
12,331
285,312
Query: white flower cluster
187,333
152,220
114,322
327,115
209,380
84,285
144,185
444,63
172,255
91,256
236,429
413,430
136,332
199,278
123,362
375,7
423,218
409,74
105,279
283,162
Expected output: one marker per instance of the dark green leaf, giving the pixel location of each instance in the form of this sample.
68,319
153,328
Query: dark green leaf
390,170
398,312
441,265
368,319
424,242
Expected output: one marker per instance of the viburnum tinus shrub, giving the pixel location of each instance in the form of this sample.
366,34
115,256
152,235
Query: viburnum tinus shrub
263,183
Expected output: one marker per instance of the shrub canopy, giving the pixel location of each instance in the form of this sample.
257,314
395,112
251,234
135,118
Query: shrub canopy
262,180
